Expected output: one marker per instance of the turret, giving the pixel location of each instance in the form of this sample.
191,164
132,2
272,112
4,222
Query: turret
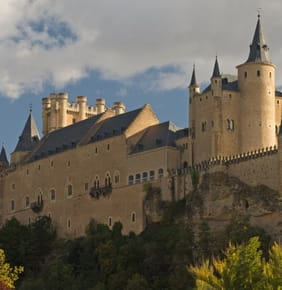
119,108
62,107
216,82
46,104
256,82
27,141
4,163
194,89
53,112
81,100
100,105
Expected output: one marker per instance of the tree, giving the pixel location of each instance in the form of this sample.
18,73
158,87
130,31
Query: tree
242,268
137,282
8,275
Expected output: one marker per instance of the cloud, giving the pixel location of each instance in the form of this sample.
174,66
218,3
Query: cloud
58,42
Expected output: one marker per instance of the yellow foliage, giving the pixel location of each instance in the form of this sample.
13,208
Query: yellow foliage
8,275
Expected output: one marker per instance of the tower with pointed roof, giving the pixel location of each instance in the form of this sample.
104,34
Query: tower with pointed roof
256,82
28,139
4,163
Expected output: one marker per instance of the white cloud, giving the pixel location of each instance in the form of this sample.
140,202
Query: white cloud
125,37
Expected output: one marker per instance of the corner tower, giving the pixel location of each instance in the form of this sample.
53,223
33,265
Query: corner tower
256,83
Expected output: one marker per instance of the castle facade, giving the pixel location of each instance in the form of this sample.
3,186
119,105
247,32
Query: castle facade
92,162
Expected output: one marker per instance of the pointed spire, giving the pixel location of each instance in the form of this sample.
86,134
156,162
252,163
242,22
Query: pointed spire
216,72
29,137
258,48
3,157
193,78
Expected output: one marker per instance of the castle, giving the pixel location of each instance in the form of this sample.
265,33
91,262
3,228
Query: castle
92,162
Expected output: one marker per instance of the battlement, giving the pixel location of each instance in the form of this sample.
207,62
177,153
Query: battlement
58,112
225,161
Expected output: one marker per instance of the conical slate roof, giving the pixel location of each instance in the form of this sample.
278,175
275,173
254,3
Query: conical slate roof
29,137
3,156
258,48
216,72
193,78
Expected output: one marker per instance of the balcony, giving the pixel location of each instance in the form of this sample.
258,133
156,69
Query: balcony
101,192
37,206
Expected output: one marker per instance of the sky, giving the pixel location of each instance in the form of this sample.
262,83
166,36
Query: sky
134,51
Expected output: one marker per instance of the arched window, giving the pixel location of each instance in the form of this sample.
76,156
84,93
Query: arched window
160,173
108,182
152,174
130,179
52,194
133,217
144,176
109,221
138,178
69,189
96,184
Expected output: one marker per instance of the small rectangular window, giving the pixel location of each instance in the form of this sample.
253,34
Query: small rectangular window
86,186
258,73
27,201
13,205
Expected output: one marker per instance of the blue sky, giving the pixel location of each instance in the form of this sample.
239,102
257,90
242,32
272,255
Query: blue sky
122,50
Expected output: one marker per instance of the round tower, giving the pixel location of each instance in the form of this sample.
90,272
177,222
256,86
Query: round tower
100,105
63,105
81,100
52,120
119,108
46,104
256,83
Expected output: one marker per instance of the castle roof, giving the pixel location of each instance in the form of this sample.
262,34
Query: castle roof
3,156
229,83
216,72
155,136
258,48
193,81
83,132
29,137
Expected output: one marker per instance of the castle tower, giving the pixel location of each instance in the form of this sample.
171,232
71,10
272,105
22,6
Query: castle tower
62,109
53,120
194,89
81,100
27,141
4,163
256,82
46,104
216,91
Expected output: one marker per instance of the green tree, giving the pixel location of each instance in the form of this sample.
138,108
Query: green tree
137,282
242,268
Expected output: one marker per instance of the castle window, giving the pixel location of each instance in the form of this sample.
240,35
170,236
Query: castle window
69,189
96,150
52,194
108,147
51,163
13,186
245,74
258,73
277,102
27,202
130,179
133,217
207,97
109,221
200,99
39,167
137,178
116,177
69,224
27,172
270,74
204,126
152,174
230,96
160,173
97,183
73,120
86,186
108,182
230,125
144,176
68,163
13,206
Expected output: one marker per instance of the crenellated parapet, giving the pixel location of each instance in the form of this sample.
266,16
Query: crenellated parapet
58,112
